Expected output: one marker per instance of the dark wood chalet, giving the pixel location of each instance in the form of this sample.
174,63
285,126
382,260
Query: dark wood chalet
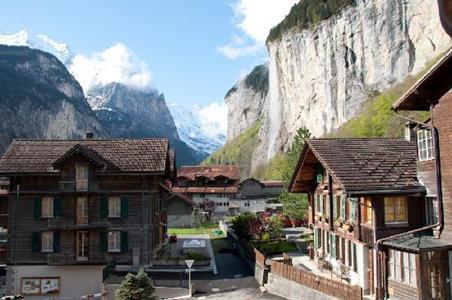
359,191
430,247
83,203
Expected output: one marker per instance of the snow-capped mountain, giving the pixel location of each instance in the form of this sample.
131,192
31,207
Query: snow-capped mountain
41,42
196,130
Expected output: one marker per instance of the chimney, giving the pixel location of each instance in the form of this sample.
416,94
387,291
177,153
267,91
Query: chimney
410,133
89,135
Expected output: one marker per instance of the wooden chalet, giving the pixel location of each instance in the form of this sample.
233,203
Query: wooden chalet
432,245
78,206
209,187
359,191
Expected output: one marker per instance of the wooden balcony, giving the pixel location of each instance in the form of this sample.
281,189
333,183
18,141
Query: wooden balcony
61,259
73,187
367,235
70,224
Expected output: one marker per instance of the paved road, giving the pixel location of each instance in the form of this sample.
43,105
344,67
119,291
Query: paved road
233,281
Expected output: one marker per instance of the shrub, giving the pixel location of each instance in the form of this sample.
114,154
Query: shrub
241,224
136,287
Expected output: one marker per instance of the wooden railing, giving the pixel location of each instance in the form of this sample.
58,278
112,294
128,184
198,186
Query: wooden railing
58,259
327,286
260,258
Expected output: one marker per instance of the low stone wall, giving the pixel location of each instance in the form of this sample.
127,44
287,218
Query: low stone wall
288,289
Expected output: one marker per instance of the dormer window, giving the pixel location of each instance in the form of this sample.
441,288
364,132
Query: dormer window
425,145
81,177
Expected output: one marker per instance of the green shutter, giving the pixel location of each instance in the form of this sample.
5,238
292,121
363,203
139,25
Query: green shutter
124,241
56,241
124,207
343,207
335,207
316,238
36,242
333,246
37,207
103,206
103,242
321,203
57,206
355,267
352,210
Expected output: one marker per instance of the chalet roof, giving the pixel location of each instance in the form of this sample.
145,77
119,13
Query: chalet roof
205,190
273,184
119,155
430,87
367,165
417,242
209,172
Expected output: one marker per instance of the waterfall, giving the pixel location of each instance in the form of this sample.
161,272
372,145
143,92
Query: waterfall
274,107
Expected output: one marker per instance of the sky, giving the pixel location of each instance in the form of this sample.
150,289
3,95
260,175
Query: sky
193,51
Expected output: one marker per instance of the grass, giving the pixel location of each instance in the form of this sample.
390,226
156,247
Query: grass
197,230
275,247
238,151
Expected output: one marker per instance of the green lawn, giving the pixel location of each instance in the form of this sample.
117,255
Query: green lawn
197,230
275,247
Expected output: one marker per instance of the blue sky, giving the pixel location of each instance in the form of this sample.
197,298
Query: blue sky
194,50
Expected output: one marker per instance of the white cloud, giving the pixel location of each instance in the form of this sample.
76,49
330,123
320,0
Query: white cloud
214,119
115,64
254,18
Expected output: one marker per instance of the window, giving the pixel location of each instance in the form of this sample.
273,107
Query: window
114,207
82,245
82,211
47,207
395,210
435,290
81,178
352,209
326,200
402,266
425,144
114,241
367,210
47,241
431,210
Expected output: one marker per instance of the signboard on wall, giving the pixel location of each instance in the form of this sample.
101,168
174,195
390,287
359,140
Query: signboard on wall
41,286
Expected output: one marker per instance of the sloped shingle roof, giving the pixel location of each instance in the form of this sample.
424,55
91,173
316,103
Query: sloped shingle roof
367,164
121,155
210,172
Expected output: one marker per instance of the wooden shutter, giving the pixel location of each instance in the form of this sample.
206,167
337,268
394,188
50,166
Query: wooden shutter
36,242
333,246
124,207
334,207
124,241
103,206
56,242
37,207
321,203
343,207
103,241
57,206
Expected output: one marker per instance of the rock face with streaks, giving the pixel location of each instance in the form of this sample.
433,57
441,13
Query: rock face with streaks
319,77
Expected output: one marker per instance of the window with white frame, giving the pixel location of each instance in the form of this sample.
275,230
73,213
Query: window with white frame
431,210
114,241
114,207
402,267
47,207
81,177
47,241
425,144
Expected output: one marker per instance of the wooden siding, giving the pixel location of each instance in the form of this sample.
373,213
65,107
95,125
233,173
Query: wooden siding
441,120
402,291
146,213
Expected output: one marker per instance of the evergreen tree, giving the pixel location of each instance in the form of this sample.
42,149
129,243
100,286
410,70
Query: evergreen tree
136,287
294,151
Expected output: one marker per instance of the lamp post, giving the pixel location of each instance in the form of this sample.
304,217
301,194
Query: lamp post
189,263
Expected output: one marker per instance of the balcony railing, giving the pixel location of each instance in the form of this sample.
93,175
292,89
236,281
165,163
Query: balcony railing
58,259
73,186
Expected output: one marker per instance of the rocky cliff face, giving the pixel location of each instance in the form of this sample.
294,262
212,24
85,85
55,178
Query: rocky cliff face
321,76
125,112
40,99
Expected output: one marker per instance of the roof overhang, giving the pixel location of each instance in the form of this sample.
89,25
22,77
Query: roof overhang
429,88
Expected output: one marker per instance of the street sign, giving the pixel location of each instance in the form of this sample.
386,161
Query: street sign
189,262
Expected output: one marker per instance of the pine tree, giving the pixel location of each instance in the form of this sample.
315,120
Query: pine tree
136,287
